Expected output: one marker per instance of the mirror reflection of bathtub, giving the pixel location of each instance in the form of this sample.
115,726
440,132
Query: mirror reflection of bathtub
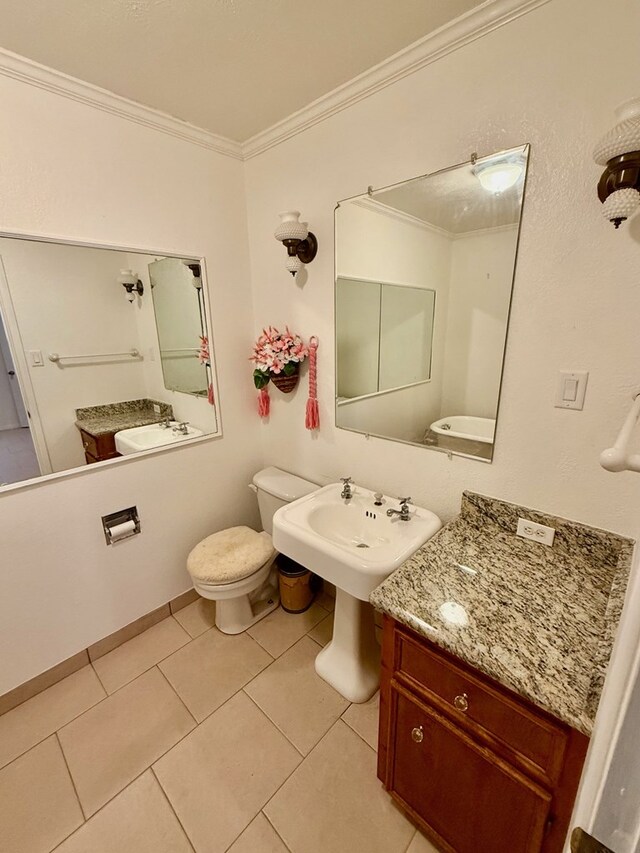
464,434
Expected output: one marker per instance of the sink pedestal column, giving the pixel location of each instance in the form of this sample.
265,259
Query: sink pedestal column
351,661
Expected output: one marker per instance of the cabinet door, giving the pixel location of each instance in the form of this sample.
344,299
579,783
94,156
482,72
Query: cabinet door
470,798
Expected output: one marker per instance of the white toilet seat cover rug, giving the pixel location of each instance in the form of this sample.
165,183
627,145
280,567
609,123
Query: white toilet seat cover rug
230,555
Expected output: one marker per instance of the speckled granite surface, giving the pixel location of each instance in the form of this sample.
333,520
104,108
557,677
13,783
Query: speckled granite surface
111,417
539,620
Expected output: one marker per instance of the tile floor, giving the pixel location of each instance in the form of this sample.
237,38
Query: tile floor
18,459
185,740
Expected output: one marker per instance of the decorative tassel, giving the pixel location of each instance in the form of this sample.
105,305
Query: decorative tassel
264,402
312,420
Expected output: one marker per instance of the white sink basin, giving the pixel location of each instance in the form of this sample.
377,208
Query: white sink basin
153,435
354,545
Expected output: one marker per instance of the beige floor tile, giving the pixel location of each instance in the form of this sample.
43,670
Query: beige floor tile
421,845
334,802
198,617
38,806
39,717
363,719
278,631
219,777
301,704
108,746
212,668
323,631
326,600
136,656
138,820
259,837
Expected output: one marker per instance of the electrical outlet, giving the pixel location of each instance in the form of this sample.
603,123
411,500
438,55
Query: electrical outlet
535,532
156,408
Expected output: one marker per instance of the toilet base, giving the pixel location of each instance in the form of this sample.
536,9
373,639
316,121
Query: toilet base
350,663
241,604
235,615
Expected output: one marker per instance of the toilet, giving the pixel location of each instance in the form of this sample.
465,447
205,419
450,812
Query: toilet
235,567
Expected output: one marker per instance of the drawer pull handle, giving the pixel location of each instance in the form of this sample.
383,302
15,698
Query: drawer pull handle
417,734
85,444
461,702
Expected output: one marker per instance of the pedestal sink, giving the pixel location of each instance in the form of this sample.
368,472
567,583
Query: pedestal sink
353,544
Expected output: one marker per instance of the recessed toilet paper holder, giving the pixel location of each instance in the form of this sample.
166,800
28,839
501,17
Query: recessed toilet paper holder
117,526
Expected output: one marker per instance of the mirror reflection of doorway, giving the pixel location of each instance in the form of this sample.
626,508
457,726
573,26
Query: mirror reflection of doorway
18,460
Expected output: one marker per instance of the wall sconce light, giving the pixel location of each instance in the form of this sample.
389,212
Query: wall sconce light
301,244
497,176
619,151
131,283
197,273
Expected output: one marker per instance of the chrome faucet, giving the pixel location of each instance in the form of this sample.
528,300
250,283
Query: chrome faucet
403,512
182,428
165,424
346,492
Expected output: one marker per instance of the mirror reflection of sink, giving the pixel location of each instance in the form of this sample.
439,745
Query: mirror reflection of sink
354,545
153,435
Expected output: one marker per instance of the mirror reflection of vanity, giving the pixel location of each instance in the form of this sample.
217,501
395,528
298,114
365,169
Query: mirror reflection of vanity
424,275
97,345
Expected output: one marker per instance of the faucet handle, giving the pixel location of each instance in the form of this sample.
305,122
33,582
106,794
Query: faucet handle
404,501
345,480
377,497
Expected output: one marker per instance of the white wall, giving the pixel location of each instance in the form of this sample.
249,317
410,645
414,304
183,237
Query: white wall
576,298
481,274
80,173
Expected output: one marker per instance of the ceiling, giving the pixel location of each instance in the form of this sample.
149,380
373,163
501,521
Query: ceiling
233,67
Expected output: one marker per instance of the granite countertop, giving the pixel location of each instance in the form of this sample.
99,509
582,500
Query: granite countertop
540,620
112,417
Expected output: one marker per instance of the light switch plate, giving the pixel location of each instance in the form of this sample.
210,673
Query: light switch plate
36,358
572,387
535,532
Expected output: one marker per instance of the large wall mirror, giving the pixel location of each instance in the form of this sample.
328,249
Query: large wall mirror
103,353
424,275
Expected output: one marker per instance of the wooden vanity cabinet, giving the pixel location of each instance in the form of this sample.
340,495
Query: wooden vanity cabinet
98,447
476,766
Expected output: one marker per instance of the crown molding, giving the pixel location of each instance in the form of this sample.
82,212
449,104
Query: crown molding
451,37
379,207
26,71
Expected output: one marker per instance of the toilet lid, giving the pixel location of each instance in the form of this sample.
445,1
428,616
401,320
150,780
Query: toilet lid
230,555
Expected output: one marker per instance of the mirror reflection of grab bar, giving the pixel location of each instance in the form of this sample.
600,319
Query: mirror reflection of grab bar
56,357
617,458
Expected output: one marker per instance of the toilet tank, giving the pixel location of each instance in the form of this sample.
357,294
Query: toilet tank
275,488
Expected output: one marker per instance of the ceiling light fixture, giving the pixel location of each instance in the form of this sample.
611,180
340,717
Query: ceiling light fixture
619,151
301,244
130,281
498,177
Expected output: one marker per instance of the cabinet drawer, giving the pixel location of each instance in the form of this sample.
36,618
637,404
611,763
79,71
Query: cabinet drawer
99,447
468,799
496,714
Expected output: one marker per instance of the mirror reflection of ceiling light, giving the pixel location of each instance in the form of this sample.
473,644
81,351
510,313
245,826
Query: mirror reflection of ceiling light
497,177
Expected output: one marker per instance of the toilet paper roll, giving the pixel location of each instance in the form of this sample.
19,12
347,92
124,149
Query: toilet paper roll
121,531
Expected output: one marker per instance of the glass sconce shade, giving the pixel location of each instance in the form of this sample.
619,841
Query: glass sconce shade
622,138
127,277
620,205
290,228
293,264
